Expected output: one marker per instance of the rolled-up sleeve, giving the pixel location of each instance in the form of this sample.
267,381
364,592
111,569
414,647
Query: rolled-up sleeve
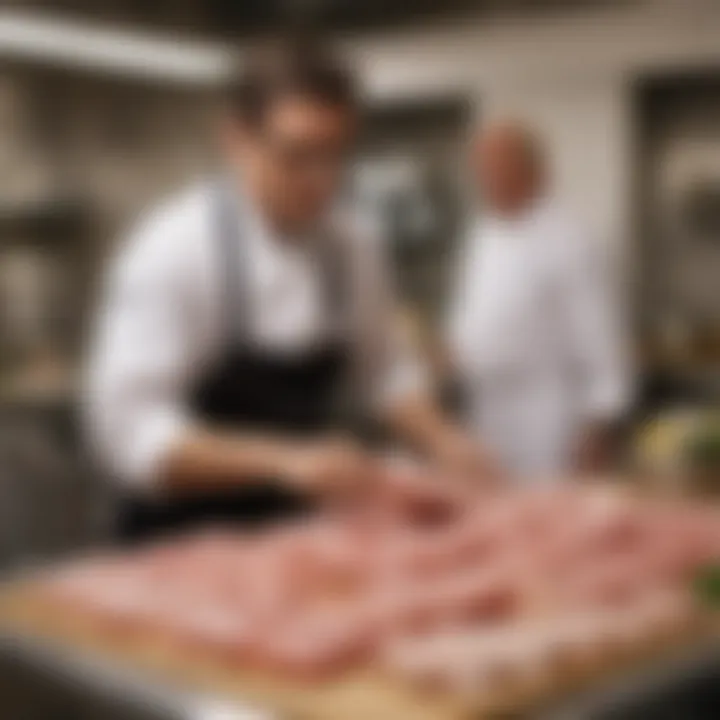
140,360
598,336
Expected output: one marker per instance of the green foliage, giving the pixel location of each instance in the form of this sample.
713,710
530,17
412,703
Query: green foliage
703,448
707,585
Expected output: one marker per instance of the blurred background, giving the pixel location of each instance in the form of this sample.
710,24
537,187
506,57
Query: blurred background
108,105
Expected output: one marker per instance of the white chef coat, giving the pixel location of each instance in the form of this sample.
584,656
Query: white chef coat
536,335
161,322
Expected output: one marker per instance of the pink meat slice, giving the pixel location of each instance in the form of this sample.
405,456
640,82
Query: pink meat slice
316,645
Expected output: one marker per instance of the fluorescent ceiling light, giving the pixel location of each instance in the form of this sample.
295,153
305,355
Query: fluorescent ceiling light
48,39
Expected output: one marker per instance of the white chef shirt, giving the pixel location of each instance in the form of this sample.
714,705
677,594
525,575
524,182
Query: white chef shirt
162,322
536,334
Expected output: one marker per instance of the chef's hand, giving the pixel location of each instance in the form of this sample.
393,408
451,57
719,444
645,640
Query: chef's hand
330,467
421,423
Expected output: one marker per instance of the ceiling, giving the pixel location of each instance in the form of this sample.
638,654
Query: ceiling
228,18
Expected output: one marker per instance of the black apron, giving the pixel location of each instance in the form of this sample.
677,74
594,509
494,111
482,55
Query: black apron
253,389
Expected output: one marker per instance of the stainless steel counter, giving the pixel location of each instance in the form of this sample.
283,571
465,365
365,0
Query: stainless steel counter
42,682
39,681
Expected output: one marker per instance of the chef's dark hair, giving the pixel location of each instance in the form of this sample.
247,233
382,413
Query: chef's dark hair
289,67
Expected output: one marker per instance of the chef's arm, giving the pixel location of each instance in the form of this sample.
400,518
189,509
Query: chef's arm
207,458
147,439
395,366
210,458
163,451
407,404
421,423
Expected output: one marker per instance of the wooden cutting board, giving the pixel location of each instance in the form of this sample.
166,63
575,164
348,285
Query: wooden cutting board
358,695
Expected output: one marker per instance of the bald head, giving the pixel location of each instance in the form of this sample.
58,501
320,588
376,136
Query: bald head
508,167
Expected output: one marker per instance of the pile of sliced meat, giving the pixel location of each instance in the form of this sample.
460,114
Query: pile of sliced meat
450,590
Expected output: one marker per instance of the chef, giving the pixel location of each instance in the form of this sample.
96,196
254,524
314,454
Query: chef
534,332
238,312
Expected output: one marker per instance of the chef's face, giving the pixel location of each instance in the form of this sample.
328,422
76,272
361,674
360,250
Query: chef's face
295,156
506,172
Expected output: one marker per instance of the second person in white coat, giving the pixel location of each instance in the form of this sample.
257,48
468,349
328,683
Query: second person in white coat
534,331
